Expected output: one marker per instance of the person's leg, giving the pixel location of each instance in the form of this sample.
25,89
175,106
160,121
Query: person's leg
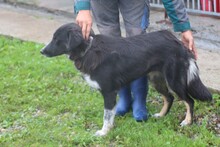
135,14
136,18
125,101
106,14
139,89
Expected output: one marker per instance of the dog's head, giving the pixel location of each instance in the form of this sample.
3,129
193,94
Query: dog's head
66,38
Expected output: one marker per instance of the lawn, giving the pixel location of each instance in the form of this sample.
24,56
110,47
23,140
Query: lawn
45,102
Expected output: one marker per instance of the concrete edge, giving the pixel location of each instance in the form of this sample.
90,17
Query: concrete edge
22,40
38,8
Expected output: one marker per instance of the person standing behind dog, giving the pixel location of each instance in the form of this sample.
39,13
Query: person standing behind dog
135,14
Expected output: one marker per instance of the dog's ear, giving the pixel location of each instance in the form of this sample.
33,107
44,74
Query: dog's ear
75,38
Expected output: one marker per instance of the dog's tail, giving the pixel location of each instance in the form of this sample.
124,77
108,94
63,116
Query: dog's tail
195,87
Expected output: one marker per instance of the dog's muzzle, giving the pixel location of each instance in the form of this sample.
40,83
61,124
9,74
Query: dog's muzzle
42,52
45,52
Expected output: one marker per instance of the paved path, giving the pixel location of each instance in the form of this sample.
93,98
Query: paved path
38,26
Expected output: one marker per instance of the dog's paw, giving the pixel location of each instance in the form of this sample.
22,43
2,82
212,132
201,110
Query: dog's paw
100,133
185,123
157,115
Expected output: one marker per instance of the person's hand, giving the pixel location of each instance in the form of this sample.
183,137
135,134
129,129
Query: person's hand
84,20
188,41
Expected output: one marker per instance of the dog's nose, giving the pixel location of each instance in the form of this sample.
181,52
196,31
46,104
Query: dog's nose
45,53
42,52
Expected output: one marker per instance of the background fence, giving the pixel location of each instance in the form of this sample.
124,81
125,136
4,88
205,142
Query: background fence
207,7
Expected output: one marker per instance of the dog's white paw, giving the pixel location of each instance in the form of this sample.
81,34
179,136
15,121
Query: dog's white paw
157,115
184,123
100,133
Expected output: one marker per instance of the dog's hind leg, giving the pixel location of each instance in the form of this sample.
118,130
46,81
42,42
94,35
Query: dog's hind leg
159,83
167,103
175,74
189,112
189,103
109,113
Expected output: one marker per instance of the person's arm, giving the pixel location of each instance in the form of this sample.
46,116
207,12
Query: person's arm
84,17
177,12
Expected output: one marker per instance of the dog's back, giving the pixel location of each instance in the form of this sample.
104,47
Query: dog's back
149,44
152,50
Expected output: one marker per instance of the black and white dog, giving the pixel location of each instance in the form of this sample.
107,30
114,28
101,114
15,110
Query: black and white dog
109,63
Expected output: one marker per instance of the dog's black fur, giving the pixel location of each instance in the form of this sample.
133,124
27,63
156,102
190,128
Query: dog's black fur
111,63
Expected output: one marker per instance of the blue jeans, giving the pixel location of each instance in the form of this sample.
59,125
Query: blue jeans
134,96
135,14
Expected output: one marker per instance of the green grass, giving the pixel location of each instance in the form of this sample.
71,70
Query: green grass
45,102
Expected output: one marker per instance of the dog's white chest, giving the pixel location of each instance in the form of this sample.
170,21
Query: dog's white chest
91,82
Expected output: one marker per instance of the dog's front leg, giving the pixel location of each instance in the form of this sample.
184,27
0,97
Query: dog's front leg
108,122
109,113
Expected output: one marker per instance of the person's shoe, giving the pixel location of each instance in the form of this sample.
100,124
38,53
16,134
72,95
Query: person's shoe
140,114
124,103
